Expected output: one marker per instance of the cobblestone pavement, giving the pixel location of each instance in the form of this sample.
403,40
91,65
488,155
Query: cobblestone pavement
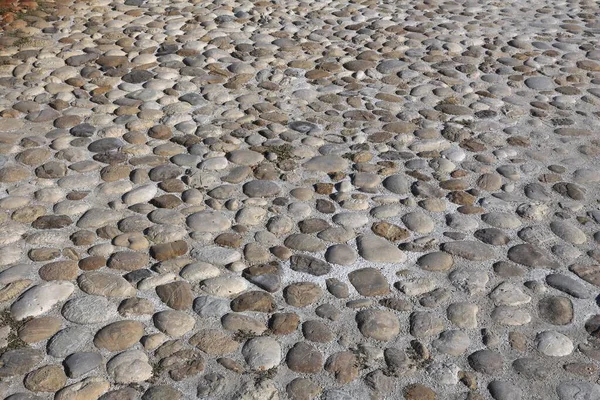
298,200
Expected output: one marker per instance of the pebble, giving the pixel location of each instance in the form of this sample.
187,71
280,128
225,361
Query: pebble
378,324
40,299
552,343
262,353
376,249
129,367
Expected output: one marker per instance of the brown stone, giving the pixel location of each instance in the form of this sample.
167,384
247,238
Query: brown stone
28,214
112,173
136,306
83,238
161,132
343,365
177,295
167,201
302,294
417,391
389,231
119,335
128,260
369,282
253,301
92,263
284,323
461,198
49,378
39,329
214,342
304,358
167,251
13,173
229,239
59,270
52,222
43,254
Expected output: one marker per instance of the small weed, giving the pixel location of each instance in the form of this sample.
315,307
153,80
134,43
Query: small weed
263,376
283,152
243,335
13,340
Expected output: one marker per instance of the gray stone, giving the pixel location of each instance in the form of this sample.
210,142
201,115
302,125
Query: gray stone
79,364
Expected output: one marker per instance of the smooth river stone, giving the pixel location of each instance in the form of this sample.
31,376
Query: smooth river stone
531,256
40,299
471,250
208,221
89,310
326,164
377,249
216,255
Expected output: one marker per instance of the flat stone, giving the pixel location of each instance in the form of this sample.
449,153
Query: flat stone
119,335
452,342
341,254
531,256
568,232
302,389
128,260
262,353
38,329
49,378
304,358
208,221
177,295
343,365
88,310
378,324
424,324
557,310
261,188
224,286
486,361
69,340
105,284
507,294
309,265
174,323
398,184
92,387
19,361
216,255
552,343
129,367
418,222
389,231
369,282
302,294
437,261
376,249
573,390
470,250
78,364
326,164
589,273
257,301
568,285
501,390
304,242
540,83
214,342
40,299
